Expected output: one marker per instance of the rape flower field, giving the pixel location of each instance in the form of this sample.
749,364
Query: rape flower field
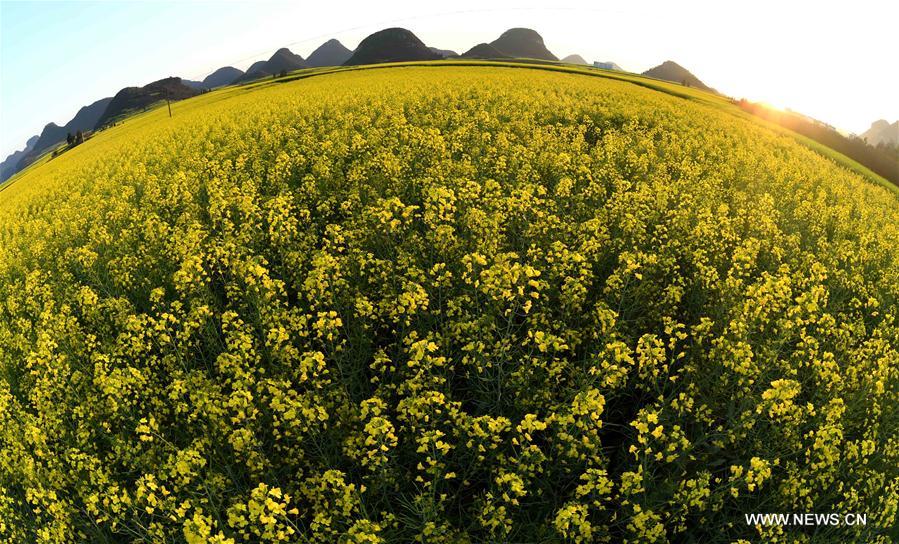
446,304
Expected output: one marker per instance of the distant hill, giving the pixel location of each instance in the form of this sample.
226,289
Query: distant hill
8,166
51,134
330,53
221,77
257,66
882,132
283,60
523,42
445,53
391,45
574,59
484,51
194,84
88,116
85,120
674,72
131,99
609,65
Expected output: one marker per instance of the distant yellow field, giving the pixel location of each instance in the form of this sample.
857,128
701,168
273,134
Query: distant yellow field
446,303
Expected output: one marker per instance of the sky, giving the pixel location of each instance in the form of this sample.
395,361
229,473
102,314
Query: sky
834,61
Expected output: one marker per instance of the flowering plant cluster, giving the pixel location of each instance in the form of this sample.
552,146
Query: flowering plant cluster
454,304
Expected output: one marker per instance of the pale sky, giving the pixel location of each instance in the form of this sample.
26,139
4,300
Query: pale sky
835,61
